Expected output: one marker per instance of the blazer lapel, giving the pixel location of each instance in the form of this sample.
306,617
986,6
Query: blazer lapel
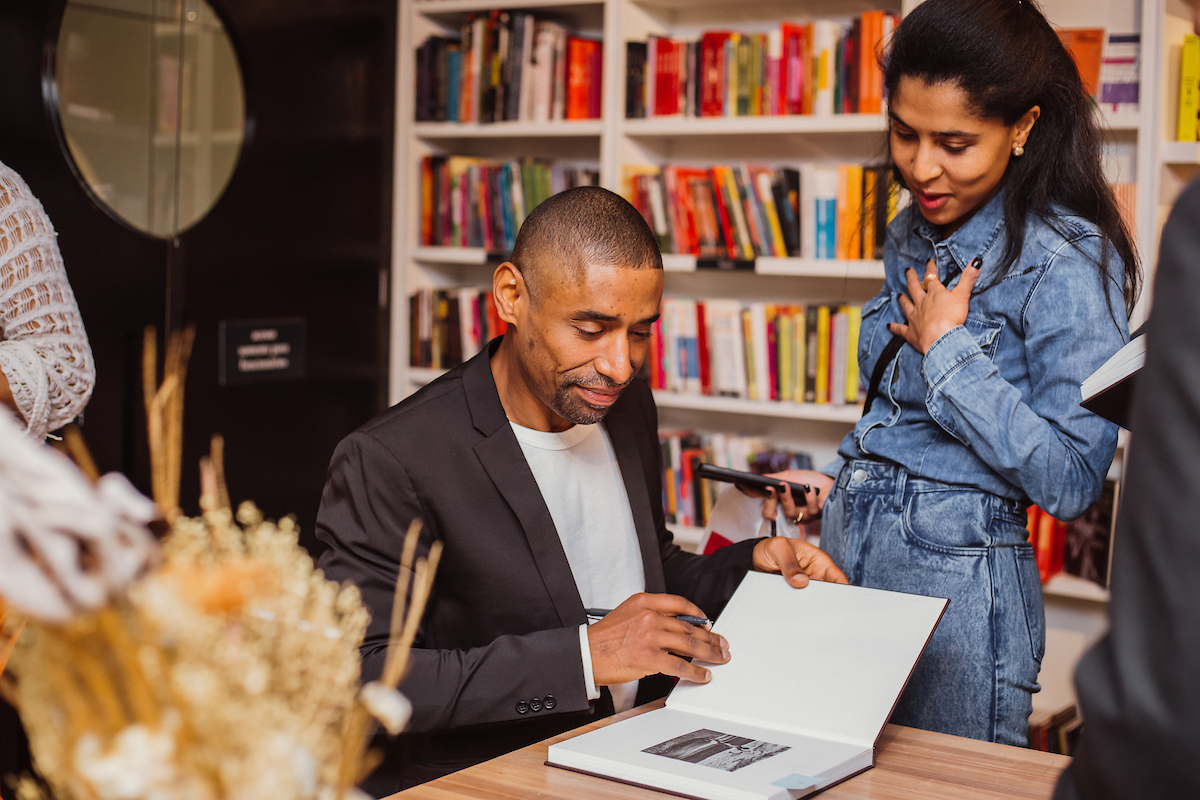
634,476
501,456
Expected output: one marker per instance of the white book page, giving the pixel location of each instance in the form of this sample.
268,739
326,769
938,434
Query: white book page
1126,361
827,660
705,757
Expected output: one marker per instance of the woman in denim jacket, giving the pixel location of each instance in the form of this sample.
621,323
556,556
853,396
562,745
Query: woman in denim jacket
1008,282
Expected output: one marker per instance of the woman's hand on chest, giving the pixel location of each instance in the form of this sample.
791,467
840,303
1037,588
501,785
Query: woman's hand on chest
931,308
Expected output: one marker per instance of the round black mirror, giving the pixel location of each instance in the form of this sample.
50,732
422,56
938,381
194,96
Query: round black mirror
151,108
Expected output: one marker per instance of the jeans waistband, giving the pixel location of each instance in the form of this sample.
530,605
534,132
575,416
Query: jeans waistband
864,475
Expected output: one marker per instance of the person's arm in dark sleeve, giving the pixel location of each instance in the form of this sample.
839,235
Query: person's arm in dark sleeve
1139,687
365,512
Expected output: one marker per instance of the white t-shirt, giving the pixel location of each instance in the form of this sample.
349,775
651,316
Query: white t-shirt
579,478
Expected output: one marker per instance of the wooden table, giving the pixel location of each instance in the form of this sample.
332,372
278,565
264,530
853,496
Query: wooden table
909,764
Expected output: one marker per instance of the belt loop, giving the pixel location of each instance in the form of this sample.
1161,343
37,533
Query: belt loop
901,482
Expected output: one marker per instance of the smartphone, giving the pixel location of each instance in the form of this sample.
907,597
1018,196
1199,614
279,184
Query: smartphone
760,482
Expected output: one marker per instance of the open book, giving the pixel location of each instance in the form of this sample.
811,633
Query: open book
1109,390
814,675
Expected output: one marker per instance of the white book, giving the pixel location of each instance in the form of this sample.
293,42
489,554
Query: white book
800,706
727,351
839,325
762,368
825,36
808,210
525,106
543,72
1125,362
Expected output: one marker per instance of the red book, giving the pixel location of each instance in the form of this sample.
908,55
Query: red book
702,349
595,79
772,353
712,73
427,179
485,206
577,79
684,200
666,77
655,358
1043,547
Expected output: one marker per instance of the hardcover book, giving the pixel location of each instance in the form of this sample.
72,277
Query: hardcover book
800,706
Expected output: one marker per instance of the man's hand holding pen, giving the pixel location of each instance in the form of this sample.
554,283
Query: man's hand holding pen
643,636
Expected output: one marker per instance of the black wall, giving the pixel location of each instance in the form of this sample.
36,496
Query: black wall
302,230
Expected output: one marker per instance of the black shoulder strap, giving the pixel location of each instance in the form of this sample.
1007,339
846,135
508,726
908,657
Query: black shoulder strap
885,358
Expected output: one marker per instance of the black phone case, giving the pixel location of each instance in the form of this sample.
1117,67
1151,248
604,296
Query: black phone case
715,473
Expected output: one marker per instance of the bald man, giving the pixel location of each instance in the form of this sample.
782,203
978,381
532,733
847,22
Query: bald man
537,465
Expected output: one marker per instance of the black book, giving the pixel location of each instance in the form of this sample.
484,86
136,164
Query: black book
1109,390
635,80
789,220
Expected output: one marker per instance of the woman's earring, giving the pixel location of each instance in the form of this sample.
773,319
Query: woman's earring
1018,151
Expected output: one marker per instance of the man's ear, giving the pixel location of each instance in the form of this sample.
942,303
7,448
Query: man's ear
509,292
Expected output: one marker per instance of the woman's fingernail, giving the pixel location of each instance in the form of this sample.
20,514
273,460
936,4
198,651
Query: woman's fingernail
977,263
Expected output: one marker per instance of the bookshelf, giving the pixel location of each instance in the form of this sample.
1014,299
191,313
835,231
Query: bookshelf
1138,150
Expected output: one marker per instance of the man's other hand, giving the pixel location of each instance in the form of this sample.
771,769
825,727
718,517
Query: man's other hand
796,560
642,637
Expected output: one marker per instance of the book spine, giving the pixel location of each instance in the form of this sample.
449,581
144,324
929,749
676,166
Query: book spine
1189,89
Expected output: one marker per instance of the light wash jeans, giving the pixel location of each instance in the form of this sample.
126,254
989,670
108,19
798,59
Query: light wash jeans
888,530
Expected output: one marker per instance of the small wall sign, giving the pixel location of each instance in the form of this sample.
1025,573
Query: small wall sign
260,350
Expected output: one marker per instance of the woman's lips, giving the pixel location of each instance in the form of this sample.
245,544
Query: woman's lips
932,202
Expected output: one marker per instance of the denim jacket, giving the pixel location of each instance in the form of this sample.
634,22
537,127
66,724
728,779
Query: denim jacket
994,403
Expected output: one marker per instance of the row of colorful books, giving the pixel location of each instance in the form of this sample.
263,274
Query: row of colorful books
822,67
508,66
449,326
688,499
743,211
473,202
1082,547
757,351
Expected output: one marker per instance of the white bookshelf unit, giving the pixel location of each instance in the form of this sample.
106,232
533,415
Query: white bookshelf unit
1137,147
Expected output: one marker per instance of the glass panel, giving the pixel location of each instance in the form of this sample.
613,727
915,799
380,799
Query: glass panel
152,109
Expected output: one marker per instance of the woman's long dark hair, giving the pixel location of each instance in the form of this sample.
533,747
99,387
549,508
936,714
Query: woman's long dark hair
1005,56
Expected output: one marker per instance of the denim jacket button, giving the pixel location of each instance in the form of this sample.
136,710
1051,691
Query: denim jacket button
859,475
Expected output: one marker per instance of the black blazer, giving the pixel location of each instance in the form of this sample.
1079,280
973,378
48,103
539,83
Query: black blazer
496,664
1139,686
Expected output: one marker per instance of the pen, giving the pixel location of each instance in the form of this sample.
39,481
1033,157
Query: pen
699,622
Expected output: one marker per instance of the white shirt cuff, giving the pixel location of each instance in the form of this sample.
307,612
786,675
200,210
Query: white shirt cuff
589,679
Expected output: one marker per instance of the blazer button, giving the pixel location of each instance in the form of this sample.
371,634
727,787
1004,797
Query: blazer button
522,707
535,704
549,702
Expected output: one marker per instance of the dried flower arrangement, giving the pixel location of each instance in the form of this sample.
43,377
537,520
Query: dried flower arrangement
230,671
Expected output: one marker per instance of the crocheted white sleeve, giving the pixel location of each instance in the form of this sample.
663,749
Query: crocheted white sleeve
44,351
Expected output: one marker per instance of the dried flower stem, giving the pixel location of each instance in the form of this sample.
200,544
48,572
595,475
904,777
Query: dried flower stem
80,454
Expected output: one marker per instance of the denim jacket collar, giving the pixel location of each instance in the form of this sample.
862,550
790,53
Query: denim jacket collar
980,236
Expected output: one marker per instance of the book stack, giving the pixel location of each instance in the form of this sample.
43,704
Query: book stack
687,499
823,67
472,202
757,351
1082,547
449,326
508,66
744,211
1055,731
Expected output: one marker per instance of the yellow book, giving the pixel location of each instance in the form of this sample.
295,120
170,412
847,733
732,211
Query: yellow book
762,182
799,344
783,351
823,354
751,372
867,218
853,324
1189,89
849,211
